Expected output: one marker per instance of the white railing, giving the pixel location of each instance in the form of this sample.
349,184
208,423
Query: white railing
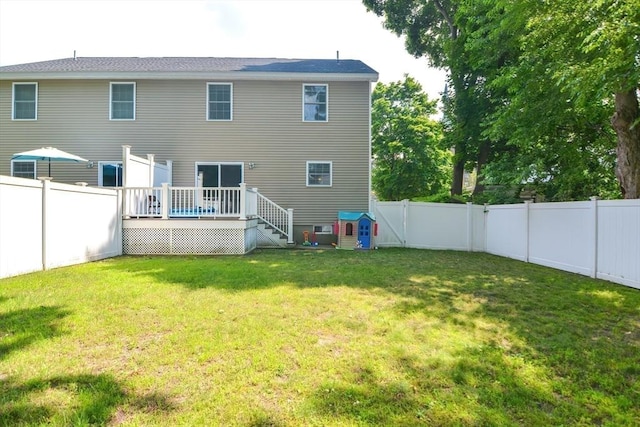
275,216
142,202
189,202
206,202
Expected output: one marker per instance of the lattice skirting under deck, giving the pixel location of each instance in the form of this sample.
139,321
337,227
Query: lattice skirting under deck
183,240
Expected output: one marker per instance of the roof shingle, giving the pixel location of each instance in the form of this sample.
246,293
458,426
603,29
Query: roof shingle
191,64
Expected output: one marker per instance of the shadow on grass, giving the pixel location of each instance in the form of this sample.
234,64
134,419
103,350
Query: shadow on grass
19,328
73,400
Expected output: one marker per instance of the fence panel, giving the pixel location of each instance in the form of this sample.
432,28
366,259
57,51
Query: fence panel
390,217
45,224
437,226
82,224
478,235
618,252
506,231
561,235
20,226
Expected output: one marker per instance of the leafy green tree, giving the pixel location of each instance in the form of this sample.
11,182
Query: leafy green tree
430,30
409,160
540,91
593,54
554,146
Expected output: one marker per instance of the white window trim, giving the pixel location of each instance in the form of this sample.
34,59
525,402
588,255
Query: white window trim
13,100
35,166
101,174
324,229
135,94
326,85
330,174
230,106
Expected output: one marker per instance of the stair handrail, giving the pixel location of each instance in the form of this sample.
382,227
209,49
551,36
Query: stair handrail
275,216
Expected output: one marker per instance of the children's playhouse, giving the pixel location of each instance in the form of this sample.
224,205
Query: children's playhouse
356,230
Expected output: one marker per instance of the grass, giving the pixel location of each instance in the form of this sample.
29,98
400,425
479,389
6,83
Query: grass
314,337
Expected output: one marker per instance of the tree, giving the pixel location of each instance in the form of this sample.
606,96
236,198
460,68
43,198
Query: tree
430,30
409,160
532,84
554,145
593,52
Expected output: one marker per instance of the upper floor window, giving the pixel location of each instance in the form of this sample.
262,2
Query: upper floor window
122,101
314,102
319,174
219,101
23,168
25,101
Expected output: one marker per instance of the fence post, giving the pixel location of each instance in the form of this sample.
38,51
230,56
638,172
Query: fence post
527,205
594,213
469,226
290,226
164,205
46,187
405,218
485,225
243,200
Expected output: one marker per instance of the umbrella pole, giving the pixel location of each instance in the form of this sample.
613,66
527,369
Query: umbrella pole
49,167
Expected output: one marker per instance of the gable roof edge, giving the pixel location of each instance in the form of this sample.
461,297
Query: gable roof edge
156,75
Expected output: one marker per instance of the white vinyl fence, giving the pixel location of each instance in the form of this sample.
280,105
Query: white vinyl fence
596,238
44,224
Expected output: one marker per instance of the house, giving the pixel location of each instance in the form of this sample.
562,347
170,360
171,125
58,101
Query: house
298,130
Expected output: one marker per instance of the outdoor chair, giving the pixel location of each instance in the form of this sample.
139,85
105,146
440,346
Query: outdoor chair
154,205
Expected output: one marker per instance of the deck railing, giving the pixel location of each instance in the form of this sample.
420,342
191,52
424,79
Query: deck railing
206,202
189,202
275,216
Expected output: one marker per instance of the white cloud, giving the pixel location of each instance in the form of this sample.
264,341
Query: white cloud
40,30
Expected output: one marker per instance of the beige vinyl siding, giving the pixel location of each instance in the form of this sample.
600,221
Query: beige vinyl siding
267,129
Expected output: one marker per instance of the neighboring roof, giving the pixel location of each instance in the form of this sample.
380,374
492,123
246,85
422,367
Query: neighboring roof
354,216
189,67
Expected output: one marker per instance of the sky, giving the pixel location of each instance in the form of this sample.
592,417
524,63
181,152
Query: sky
32,31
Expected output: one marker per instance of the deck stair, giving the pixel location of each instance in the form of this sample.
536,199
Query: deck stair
269,237
274,224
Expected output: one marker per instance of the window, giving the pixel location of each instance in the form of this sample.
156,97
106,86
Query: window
348,231
219,101
314,103
218,174
122,101
110,174
319,174
23,168
323,229
25,101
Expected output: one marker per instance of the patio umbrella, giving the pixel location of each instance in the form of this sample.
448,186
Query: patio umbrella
50,154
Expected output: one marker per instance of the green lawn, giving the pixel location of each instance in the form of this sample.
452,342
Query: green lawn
315,337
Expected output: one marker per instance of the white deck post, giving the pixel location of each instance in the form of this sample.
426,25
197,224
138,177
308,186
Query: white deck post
243,201
152,168
164,205
126,158
290,226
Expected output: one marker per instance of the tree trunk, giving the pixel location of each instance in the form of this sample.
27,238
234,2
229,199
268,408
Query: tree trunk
625,123
458,176
483,158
